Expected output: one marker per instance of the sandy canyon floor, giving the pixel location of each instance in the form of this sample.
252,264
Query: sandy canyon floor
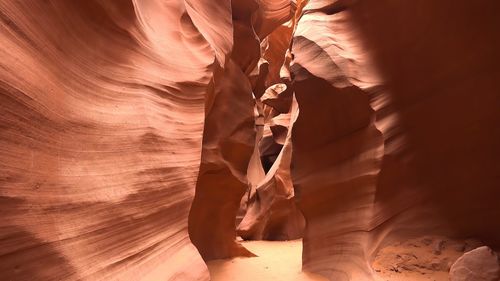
423,259
276,260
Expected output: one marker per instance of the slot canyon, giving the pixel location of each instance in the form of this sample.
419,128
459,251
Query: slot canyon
242,140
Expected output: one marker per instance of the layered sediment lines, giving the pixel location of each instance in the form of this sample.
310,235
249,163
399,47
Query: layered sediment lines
130,131
396,136
271,213
269,208
112,114
230,131
101,112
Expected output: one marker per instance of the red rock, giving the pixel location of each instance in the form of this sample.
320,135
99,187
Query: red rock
396,133
102,108
480,264
229,139
271,213
131,131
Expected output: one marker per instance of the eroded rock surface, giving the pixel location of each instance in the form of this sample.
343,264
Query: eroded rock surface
379,119
396,136
102,109
271,213
480,264
230,131
269,207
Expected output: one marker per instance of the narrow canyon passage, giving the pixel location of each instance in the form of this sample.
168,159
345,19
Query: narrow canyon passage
196,140
276,260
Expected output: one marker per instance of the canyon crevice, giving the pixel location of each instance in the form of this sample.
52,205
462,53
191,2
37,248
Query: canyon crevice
141,139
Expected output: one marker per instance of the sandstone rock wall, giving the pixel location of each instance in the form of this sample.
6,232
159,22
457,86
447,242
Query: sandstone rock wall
230,131
114,114
397,134
102,109
269,208
271,212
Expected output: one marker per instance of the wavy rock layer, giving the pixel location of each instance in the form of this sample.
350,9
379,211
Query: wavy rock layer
222,181
271,212
269,209
397,132
230,131
102,108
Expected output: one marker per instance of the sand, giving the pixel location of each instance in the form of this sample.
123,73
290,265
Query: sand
276,260
412,260
426,258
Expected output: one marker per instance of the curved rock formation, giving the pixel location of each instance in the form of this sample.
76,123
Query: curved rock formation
228,146
480,264
130,131
396,136
271,213
269,209
102,108
104,102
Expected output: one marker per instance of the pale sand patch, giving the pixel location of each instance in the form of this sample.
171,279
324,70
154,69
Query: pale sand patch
426,258
277,260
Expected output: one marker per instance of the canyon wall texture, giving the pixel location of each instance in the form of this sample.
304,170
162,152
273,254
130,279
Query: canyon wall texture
271,212
102,109
230,131
397,134
112,113
269,209
131,130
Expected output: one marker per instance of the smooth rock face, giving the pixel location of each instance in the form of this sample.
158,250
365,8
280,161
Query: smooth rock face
128,133
230,132
104,106
269,209
480,264
271,213
228,143
397,134
227,149
101,113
